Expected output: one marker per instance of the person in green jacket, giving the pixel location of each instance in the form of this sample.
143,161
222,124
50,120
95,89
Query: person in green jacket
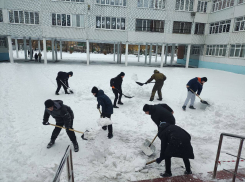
160,78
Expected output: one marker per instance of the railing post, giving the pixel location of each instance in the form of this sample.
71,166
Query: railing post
238,159
217,156
72,173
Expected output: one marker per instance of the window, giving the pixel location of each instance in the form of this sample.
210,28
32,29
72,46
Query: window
63,20
78,1
220,27
202,6
184,5
237,50
112,2
23,17
182,27
241,1
78,21
154,4
3,42
144,25
216,50
199,28
195,50
240,24
110,23
1,15
222,4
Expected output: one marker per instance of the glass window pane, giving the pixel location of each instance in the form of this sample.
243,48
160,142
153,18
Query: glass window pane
151,4
36,18
1,15
53,19
205,7
116,2
123,23
182,4
199,6
162,3
98,22
68,20
59,19
243,51
108,22
107,2
113,23
228,28
187,5
146,3
11,17
103,22
191,5
27,17
224,50
102,1
177,5
224,4
217,50
118,23
16,16
124,3
78,21
82,20
140,3
32,17
120,2
21,16
112,2
63,19
242,27
97,1
237,26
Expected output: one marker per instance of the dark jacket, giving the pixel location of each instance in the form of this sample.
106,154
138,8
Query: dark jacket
159,77
105,102
61,113
175,142
195,85
161,113
36,56
117,82
63,76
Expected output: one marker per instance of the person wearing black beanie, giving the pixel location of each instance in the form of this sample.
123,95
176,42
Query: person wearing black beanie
63,115
107,109
160,113
62,80
116,85
193,86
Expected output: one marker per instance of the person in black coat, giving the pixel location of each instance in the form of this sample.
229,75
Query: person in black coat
35,56
107,108
160,113
116,84
63,115
175,142
63,77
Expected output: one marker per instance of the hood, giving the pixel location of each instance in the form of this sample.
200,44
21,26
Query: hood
58,104
151,109
100,93
156,71
161,128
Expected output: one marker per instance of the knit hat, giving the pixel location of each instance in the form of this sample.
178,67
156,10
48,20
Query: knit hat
156,71
70,73
122,74
94,90
204,79
49,103
146,108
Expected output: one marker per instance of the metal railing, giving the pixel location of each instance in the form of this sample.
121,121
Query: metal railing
242,138
67,158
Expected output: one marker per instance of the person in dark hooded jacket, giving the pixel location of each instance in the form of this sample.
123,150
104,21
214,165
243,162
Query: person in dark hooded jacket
107,109
175,142
63,77
160,78
116,84
160,113
63,115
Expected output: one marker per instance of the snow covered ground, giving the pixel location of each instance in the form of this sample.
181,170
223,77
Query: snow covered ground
23,138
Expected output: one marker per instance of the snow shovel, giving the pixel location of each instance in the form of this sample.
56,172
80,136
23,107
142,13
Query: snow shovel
202,101
67,88
150,162
141,84
65,128
123,94
148,148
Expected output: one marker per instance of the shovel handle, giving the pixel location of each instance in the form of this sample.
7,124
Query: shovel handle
195,93
153,140
150,162
65,128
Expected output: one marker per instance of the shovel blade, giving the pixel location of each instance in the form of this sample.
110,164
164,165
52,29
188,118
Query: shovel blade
141,84
204,102
146,149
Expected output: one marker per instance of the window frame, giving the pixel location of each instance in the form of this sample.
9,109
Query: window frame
198,32
214,27
216,50
24,17
120,3
242,47
218,5
145,22
105,18
61,21
68,1
182,25
163,2
184,6
239,3
204,9
240,22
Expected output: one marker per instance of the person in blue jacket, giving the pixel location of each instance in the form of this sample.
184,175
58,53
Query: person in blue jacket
193,86
107,107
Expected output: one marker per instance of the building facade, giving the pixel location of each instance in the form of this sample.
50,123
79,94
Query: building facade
206,33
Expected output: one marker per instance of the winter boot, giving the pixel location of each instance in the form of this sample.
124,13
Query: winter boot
56,93
67,93
159,99
191,107
115,106
184,107
120,103
188,172
110,135
151,99
104,127
50,144
76,147
166,174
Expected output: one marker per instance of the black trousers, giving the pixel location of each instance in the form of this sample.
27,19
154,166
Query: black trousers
116,96
168,164
110,130
57,130
59,84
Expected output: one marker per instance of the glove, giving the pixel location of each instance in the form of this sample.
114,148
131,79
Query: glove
45,123
102,115
113,87
98,106
158,160
145,82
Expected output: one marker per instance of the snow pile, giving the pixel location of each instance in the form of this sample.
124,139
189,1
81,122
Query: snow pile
104,121
134,77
